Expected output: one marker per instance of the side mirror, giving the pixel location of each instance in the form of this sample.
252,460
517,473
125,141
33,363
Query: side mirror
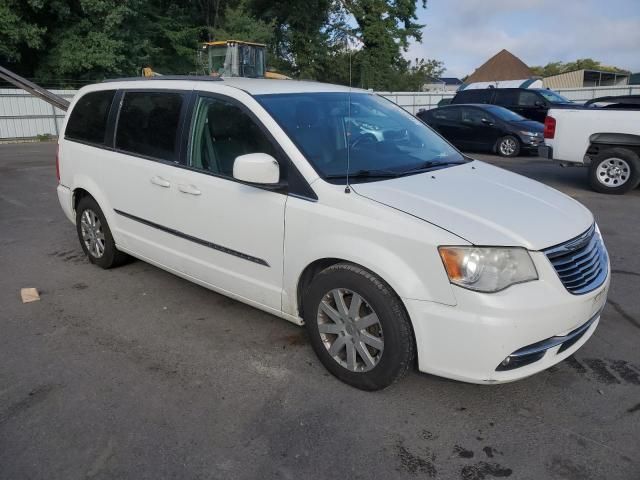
258,168
486,121
540,104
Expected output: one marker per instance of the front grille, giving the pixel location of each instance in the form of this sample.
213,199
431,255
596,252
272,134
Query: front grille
581,263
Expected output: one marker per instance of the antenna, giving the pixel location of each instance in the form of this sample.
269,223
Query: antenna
347,188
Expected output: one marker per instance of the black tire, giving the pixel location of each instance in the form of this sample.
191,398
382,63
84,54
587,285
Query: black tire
513,151
111,256
396,357
626,160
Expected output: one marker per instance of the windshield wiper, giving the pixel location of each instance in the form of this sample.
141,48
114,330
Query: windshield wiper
425,167
366,174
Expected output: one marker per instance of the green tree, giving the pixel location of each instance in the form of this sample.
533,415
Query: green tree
16,32
88,40
384,30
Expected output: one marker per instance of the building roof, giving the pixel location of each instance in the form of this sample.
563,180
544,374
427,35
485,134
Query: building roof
451,81
502,66
444,80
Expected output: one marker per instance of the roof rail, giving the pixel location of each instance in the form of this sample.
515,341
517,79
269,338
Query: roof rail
197,78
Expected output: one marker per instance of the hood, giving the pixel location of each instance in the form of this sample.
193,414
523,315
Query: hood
485,205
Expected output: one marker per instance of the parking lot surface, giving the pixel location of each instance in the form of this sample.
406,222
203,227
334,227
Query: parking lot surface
136,373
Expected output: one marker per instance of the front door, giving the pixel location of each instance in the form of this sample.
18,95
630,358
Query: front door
479,129
234,232
531,105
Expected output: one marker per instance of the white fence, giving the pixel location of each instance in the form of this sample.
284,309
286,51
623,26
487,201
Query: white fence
24,117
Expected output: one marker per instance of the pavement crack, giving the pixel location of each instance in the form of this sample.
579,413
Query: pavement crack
618,308
36,396
625,272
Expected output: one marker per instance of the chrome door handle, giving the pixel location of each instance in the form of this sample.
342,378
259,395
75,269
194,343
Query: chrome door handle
189,189
161,182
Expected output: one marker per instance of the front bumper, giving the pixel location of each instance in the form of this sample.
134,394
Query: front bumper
530,144
469,341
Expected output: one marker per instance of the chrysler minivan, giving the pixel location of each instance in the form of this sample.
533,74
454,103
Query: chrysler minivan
338,210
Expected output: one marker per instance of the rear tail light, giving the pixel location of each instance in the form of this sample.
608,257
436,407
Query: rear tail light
549,127
58,163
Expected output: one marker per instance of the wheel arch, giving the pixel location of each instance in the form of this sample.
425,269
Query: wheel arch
315,267
599,142
84,186
309,273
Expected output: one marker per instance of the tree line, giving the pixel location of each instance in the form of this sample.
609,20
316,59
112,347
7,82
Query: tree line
340,41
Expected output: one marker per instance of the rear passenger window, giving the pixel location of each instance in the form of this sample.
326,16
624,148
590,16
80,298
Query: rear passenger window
148,124
480,95
88,119
221,132
506,97
452,114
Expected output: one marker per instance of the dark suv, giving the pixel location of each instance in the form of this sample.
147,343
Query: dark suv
532,103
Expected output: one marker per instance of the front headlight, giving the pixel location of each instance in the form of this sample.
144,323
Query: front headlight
487,269
529,134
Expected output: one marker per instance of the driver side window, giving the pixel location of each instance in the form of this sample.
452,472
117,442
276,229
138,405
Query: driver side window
474,116
527,99
222,131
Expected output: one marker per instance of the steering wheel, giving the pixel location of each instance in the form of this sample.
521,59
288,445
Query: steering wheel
365,140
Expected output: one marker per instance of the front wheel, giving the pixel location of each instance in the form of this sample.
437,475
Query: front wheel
358,327
615,171
509,146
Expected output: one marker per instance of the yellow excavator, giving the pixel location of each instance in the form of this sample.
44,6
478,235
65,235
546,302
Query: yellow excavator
231,58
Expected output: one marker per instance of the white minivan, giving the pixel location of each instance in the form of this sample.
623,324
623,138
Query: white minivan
336,209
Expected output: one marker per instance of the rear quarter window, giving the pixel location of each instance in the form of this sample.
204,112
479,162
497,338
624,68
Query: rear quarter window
88,119
148,124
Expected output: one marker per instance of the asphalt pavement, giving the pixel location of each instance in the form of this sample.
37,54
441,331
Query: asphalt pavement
136,373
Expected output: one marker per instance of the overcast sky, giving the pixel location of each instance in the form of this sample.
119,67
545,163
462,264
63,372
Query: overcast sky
465,33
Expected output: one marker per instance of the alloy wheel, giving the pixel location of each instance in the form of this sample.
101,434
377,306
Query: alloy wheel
92,233
508,146
350,330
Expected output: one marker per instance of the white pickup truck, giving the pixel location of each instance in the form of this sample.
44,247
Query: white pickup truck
604,135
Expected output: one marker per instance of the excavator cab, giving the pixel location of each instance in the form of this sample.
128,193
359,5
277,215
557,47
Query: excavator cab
234,58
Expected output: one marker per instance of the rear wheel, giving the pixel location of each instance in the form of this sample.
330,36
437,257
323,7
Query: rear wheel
358,327
615,171
95,236
508,146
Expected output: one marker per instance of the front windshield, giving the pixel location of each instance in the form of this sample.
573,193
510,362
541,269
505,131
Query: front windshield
506,114
553,97
217,56
376,136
